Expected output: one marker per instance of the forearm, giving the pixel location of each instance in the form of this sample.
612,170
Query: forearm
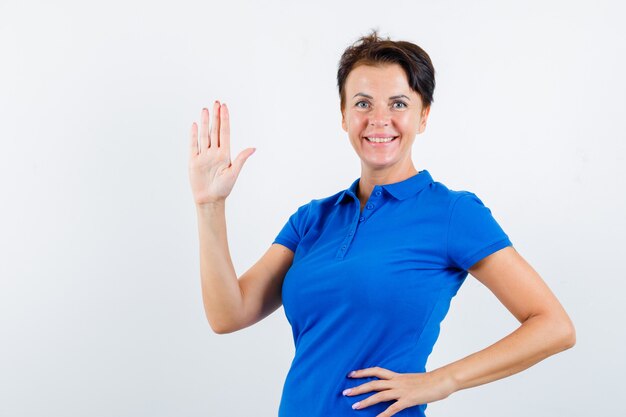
536,339
221,292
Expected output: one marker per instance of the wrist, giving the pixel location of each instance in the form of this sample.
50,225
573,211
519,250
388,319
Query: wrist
211,205
447,380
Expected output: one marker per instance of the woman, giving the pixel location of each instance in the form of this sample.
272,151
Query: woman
366,275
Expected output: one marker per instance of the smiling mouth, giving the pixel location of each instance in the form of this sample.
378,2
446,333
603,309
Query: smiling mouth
381,140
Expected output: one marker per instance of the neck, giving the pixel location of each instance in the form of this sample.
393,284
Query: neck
370,178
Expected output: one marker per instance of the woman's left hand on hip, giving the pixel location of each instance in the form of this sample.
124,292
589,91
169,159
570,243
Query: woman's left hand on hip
407,389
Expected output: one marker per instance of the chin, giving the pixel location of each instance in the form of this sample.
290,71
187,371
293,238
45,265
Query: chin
377,165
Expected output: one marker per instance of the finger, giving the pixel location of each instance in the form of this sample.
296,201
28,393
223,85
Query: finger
375,385
193,143
241,159
224,129
375,371
393,409
215,125
375,399
204,129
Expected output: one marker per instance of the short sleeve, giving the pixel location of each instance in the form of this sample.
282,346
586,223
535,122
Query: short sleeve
473,233
293,230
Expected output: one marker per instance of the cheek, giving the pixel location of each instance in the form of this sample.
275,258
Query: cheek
407,124
356,123
408,120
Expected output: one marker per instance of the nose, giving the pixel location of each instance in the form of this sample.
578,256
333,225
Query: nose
380,117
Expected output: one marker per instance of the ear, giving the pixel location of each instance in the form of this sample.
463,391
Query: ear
423,118
344,126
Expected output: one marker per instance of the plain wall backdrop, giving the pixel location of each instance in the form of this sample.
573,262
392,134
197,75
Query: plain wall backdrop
100,303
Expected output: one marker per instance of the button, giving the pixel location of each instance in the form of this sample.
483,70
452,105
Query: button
370,206
351,233
377,192
361,219
343,247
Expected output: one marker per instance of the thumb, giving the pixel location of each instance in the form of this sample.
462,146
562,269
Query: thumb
241,159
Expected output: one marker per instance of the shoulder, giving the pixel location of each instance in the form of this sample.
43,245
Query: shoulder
319,207
444,197
316,208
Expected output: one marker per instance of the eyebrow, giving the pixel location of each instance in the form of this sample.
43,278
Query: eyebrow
390,98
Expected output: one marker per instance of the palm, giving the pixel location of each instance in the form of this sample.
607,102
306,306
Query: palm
211,173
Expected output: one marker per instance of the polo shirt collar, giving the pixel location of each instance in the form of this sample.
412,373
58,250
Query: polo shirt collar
400,190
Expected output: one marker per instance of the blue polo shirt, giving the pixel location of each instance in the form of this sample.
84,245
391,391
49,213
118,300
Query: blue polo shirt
371,288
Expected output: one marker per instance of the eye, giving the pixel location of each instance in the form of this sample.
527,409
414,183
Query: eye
359,102
404,105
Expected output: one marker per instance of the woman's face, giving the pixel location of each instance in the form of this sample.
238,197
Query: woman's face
380,104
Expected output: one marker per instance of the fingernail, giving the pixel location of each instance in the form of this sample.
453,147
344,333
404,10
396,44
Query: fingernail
347,391
355,406
352,373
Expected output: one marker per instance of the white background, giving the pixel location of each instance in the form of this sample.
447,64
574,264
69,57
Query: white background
100,304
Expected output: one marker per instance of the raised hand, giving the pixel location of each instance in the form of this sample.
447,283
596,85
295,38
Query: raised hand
211,173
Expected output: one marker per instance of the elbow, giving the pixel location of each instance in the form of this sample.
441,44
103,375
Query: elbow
559,333
220,328
567,333
569,339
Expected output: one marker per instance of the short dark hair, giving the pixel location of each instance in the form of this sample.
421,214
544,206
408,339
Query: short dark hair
374,50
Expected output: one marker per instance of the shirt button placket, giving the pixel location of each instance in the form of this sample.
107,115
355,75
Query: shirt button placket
342,250
348,240
376,193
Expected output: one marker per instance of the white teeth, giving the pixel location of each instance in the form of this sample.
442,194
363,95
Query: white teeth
379,140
